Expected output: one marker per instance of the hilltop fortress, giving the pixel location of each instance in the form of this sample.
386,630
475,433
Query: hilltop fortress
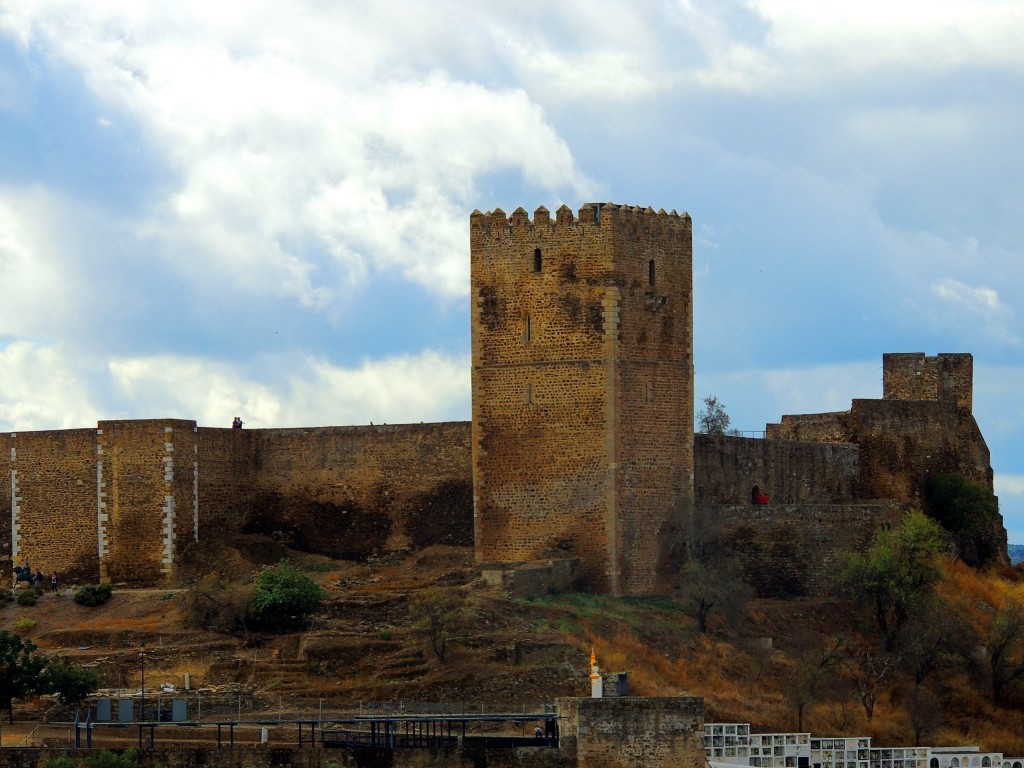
581,445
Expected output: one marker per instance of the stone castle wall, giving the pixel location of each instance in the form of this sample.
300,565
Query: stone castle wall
350,491
788,472
832,427
121,502
50,491
913,376
582,388
901,442
796,550
226,478
147,507
634,732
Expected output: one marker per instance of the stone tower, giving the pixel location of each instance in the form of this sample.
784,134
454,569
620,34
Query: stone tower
583,390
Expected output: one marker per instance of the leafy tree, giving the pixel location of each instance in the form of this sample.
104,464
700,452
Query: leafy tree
284,597
71,682
898,573
713,420
21,670
970,512
1006,648
710,579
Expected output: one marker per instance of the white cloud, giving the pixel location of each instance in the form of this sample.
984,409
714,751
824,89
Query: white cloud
45,387
981,301
1009,485
55,386
39,286
758,397
424,387
300,170
858,37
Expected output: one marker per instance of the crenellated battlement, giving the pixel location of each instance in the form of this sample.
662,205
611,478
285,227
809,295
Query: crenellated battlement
498,224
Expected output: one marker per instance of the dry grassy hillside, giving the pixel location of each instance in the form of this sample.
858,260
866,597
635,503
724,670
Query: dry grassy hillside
368,645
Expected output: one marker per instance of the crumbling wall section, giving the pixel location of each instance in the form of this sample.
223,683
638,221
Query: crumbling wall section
904,441
817,427
797,550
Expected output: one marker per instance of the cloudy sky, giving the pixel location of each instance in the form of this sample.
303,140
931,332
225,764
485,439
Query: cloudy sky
261,208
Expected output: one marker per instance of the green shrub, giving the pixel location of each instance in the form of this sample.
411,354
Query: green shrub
27,597
93,594
6,595
64,761
284,597
110,759
24,624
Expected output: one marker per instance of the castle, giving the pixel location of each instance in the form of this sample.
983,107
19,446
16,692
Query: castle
581,443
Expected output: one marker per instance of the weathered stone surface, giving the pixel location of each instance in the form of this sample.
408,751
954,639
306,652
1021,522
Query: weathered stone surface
583,390
787,471
797,550
633,731
581,444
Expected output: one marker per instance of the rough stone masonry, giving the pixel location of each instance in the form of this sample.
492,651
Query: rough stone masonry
581,444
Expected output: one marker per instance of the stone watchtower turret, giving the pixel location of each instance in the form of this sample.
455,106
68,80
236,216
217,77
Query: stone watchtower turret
583,390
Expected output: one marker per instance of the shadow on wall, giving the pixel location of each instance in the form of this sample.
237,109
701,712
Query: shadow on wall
349,530
442,516
345,531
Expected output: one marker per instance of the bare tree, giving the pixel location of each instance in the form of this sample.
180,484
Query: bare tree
439,613
710,578
805,678
923,711
936,636
870,669
1006,648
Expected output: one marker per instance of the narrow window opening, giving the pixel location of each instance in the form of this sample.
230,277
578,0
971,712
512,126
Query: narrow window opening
650,273
648,392
536,260
527,329
529,393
